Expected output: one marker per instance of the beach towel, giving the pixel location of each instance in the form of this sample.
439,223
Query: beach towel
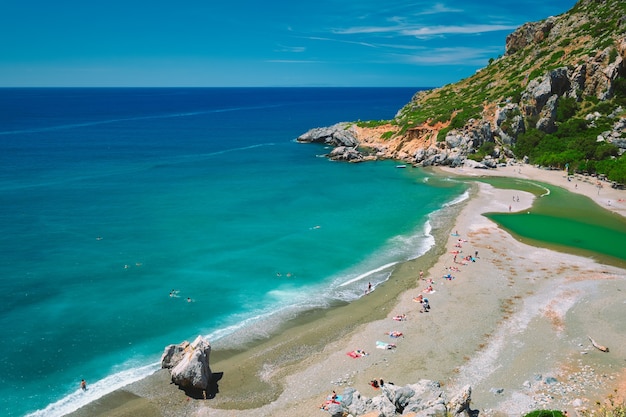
384,345
357,353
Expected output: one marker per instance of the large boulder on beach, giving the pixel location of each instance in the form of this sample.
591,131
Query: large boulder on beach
189,364
172,355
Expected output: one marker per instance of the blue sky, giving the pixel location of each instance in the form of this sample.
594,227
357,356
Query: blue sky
254,43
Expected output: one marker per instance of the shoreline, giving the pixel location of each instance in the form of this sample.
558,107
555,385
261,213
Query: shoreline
530,311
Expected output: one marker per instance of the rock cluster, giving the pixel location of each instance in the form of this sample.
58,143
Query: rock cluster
189,365
425,398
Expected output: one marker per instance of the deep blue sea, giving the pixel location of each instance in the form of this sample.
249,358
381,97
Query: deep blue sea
112,198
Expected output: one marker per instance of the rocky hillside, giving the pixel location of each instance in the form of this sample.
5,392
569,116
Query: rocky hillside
557,97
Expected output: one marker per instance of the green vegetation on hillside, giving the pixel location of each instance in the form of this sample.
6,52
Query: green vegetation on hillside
545,413
578,144
591,29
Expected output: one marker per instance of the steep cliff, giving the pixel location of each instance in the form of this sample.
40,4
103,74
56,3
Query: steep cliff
565,73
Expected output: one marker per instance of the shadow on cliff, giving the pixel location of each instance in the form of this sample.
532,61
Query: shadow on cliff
208,394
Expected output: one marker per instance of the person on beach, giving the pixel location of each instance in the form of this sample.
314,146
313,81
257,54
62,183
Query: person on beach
83,385
421,274
369,288
425,306
331,399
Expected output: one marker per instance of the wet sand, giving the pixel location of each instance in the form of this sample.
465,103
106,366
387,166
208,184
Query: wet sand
506,324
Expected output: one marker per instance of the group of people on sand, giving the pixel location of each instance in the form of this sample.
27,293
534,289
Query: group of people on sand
425,307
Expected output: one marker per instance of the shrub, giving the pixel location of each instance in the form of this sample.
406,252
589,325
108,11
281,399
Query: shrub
387,135
372,123
610,408
566,108
545,413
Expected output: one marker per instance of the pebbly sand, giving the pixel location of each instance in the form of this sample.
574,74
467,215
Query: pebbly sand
514,325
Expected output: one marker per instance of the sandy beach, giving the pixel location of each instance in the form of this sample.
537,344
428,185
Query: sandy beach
513,324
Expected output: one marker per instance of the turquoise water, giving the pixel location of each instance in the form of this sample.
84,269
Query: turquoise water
566,221
112,198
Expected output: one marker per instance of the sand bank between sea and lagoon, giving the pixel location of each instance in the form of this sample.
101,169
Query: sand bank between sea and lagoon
514,325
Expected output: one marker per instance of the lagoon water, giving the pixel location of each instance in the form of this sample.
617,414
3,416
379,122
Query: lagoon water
112,198
566,222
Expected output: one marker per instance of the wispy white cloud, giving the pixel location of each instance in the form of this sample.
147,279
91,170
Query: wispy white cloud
294,61
367,29
319,38
409,47
424,31
438,8
448,56
290,49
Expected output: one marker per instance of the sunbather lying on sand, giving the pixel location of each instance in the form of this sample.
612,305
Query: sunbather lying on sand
357,353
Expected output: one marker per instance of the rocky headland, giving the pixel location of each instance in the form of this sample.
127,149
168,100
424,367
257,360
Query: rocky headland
479,120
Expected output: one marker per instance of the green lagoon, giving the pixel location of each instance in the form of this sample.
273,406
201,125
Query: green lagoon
564,221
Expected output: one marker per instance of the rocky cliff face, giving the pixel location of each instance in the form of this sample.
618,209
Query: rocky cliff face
530,102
